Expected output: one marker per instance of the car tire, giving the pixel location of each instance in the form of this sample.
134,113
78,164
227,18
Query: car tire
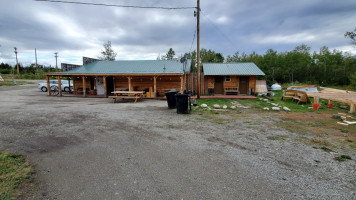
43,89
66,89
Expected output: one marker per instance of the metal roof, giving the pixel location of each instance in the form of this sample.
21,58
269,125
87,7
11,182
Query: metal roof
132,67
232,69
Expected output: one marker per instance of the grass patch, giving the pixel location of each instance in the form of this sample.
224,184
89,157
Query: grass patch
342,158
344,130
211,102
277,137
277,99
14,170
353,145
293,125
326,149
320,142
11,83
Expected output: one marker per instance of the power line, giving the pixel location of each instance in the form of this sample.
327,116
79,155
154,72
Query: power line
191,46
218,29
120,6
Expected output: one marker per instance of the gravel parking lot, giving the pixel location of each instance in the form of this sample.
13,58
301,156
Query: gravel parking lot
90,148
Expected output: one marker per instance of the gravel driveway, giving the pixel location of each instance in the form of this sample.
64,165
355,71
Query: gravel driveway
90,148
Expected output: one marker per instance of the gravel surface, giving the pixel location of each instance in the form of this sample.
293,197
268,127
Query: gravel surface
90,148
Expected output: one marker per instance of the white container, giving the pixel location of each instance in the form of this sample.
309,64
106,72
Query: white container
276,86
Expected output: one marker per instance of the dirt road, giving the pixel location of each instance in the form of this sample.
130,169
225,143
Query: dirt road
90,148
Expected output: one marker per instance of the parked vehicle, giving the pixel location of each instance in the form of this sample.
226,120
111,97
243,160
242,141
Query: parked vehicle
64,85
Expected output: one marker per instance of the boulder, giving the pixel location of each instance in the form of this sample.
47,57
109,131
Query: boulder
204,105
233,107
286,109
276,108
265,108
216,106
225,106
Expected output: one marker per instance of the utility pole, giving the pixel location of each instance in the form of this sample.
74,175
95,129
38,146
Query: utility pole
17,62
198,49
56,56
36,60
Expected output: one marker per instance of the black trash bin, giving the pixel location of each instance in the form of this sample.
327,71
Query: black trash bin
183,101
171,99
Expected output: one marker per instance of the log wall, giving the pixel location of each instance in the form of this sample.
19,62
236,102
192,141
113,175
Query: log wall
232,83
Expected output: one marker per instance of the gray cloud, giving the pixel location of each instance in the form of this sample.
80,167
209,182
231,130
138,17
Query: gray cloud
226,26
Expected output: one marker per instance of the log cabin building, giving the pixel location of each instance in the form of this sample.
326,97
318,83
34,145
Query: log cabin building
229,78
100,78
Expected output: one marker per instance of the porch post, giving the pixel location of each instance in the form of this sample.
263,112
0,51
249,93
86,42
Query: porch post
129,78
59,85
155,86
181,84
48,85
105,87
84,87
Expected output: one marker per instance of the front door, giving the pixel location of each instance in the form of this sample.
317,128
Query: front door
219,85
244,84
99,85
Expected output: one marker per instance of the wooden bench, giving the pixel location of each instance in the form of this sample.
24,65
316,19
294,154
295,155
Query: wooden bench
232,91
127,95
288,94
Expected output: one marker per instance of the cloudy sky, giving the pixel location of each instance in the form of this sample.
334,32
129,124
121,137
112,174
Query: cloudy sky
226,26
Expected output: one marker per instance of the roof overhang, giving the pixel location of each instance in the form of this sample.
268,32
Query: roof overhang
80,74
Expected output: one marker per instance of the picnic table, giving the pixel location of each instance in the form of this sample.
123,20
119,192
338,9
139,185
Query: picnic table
127,95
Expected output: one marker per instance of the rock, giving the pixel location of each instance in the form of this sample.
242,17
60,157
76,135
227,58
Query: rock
216,106
274,104
233,107
225,106
204,105
265,108
265,100
286,109
276,108
336,117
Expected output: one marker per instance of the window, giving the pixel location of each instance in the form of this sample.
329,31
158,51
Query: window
227,78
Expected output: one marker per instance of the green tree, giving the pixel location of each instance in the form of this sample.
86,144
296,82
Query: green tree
353,79
269,63
170,54
234,58
352,36
210,56
108,53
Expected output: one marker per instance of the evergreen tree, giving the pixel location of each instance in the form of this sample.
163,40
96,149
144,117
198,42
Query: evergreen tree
108,53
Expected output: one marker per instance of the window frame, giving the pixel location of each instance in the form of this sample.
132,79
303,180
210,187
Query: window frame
226,78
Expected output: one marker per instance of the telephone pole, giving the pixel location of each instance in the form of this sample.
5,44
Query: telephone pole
17,62
36,60
198,49
56,56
